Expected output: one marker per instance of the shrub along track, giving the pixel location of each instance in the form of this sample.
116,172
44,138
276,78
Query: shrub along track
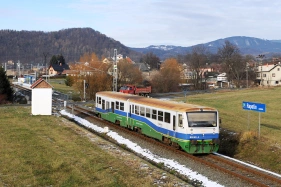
237,170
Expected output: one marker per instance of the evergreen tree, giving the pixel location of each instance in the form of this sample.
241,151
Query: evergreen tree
5,86
57,59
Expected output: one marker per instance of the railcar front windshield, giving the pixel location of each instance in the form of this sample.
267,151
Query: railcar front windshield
202,119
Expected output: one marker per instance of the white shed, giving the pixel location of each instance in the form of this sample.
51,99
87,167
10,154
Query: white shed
41,98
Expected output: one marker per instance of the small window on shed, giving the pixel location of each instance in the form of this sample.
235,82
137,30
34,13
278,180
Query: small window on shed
121,106
99,100
160,116
117,105
154,114
142,110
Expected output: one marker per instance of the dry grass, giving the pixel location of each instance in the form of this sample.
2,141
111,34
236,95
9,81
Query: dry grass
42,151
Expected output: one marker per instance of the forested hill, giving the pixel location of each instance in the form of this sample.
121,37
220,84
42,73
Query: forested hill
29,46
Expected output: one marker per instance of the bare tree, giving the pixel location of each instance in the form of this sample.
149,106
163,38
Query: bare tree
94,72
197,63
232,62
128,73
152,60
169,76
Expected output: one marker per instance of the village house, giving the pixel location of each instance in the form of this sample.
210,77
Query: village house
57,69
269,74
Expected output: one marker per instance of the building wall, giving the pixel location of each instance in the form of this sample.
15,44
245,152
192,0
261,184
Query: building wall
41,101
271,77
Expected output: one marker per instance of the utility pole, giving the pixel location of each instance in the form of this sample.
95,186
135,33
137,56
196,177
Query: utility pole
115,75
45,57
18,68
84,82
261,57
247,66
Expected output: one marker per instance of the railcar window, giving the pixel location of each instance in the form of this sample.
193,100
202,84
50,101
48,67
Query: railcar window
137,110
202,119
142,110
99,100
167,117
121,106
154,114
180,120
160,116
148,112
103,104
133,108
117,105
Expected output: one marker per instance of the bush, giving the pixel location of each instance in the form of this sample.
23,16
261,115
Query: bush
5,86
69,81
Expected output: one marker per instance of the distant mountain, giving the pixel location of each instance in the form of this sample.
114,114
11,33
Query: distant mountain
247,45
164,51
29,46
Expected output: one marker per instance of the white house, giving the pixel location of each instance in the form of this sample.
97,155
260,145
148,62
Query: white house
269,74
41,98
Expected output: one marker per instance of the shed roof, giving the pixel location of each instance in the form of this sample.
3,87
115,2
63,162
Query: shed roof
41,83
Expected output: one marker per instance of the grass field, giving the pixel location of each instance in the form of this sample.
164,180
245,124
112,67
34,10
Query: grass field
59,85
229,105
264,151
43,151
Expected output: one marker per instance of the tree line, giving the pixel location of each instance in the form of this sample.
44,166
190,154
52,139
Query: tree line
163,76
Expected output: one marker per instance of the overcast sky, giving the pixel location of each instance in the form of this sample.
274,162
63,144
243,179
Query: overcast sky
140,23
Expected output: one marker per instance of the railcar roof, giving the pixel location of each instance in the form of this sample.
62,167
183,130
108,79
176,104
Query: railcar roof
168,105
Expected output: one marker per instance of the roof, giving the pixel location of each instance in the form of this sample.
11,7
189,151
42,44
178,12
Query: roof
59,67
70,72
41,83
157,103
142,66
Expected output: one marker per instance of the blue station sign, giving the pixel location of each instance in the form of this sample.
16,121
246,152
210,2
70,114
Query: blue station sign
259,107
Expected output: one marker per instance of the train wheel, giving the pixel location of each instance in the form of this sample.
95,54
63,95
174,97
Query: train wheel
142,95
117,122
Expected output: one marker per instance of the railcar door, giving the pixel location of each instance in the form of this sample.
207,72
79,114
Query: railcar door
174,122
112,107
107,106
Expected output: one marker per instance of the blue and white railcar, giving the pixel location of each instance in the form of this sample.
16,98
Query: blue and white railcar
192,128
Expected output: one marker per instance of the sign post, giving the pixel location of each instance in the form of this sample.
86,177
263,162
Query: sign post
258,107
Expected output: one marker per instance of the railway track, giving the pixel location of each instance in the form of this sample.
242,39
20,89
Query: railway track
251,175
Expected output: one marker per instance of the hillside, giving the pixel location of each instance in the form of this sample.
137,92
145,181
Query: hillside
247,45
29,46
